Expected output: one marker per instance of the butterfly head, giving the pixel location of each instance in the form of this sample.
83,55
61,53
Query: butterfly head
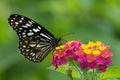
57,41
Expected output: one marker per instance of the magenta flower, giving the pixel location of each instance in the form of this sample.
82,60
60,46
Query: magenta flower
83,65
82,58
69,53
92,65
102,68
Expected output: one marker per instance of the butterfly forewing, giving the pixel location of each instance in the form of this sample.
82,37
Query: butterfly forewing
35,42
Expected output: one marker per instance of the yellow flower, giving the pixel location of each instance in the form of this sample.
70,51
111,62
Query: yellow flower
90,44
98,43
87,51
96,52
60,47
84,46
102,48
69,42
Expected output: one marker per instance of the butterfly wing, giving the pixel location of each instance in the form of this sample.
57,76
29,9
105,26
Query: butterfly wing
35,42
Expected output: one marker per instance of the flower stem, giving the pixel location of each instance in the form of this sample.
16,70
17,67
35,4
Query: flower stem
69,73
77,68
95,74
68,70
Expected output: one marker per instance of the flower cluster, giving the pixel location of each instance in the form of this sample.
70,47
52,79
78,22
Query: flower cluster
91,55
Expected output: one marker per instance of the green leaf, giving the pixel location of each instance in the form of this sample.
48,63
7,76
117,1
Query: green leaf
62,69
75,72
112,72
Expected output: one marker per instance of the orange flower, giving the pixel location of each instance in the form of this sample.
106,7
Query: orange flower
91,58
106,53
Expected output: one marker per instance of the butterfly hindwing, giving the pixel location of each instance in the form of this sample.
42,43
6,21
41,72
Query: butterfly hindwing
35,42
34,50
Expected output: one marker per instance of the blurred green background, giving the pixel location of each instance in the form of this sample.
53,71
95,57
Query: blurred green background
87,20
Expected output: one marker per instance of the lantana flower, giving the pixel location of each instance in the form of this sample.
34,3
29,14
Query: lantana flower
92,55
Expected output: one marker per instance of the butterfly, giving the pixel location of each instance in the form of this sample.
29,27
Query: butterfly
35,42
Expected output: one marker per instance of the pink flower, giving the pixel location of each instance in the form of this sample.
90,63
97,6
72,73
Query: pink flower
82,58
65,51
59,61
75,45
102,68
92,65
83,65
108,61
91,55
106,53
69,53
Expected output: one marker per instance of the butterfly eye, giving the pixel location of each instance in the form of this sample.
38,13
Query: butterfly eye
35,42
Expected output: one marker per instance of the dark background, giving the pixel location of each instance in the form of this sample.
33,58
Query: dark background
86,20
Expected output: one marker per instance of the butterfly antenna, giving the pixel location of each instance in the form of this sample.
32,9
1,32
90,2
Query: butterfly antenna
71,33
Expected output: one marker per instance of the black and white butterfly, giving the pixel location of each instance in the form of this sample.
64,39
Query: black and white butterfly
35,42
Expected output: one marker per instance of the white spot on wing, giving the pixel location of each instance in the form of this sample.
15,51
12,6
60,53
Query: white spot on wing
34,59
11,23
20,42
26,54
11,20
39,27
19,31
20,28
26,41
38,45
28,25
27,50
23,33
33,54
36,56
15,15
30,34
22,18
36,30
20,21
44,35
24,46
25,26
30,22
23,53
16,23
32,45
22,49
